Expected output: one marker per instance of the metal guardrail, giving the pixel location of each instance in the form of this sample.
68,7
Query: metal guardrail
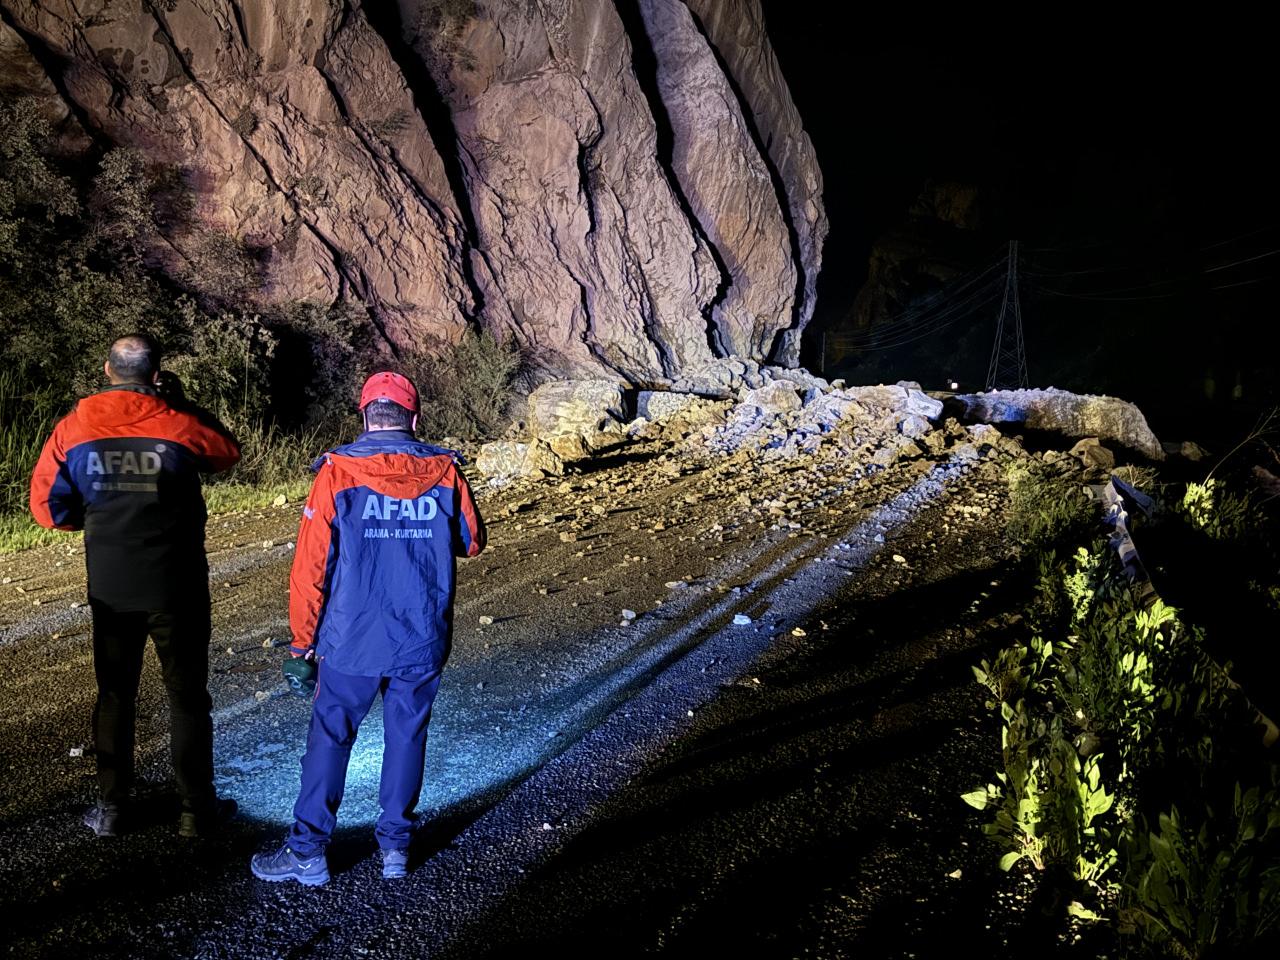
1120,501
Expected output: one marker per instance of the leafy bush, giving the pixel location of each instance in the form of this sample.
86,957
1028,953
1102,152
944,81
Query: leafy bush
72,271
1208,884
33,195
466,387
1048,796
27,416
1046,508
1217,511
224,363
1131,772
320,368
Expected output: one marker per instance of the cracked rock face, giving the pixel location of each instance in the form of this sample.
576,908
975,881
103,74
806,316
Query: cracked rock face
587,256
276,116
735,28
22,76
726,183
584,176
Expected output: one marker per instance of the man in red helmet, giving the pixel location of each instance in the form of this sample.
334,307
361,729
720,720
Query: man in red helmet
371,602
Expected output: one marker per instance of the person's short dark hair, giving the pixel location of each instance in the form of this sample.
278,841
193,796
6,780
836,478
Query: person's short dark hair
388,415
134,358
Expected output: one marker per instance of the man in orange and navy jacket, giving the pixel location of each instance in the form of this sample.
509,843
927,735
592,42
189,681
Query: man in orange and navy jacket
124,466
371,600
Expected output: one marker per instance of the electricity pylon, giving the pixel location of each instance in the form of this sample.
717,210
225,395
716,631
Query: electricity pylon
1008,370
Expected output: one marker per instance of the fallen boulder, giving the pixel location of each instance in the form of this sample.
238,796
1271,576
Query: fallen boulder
896,398
824,411
722,377
506,459
573,406
1073,415
570,447
662,407
1094,455
913,425
772,399
801,377
1187,449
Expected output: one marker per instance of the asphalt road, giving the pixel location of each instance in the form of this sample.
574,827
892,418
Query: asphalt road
597,785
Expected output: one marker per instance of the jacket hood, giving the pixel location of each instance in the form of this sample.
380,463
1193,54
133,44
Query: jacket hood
120,406
391,461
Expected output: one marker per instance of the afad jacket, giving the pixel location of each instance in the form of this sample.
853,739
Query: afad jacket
373,577
125,466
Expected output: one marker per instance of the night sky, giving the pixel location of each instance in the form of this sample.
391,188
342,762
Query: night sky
1137,169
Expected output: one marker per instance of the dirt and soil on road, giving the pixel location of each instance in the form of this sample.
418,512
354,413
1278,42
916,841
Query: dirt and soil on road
693,703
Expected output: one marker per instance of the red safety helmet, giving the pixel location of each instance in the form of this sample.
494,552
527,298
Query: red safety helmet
390,386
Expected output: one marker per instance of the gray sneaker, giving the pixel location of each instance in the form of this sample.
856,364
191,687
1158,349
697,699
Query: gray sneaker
395,864
103,819
284,864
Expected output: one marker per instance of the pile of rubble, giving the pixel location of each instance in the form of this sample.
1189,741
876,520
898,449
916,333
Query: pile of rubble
737,407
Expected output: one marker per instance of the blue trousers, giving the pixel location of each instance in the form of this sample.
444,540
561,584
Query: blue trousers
341,703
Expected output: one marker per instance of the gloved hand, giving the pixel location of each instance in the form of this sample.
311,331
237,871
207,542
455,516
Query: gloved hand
300,673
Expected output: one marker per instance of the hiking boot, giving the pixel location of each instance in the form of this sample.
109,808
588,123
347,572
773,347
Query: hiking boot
395,864
203,824
284,864
103,819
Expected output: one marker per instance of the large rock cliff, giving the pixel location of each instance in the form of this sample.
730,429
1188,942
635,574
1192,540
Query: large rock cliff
622,186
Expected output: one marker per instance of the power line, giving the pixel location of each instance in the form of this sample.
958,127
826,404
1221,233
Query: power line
1156,284
941,322
1241,283
942,319
1090,296
917,314
922,316
1251,233
1129,268
1261,256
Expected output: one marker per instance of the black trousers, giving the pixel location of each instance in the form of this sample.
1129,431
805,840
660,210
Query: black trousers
181,637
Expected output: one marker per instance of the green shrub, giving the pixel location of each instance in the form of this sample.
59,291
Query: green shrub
71,273
33,195
1046,508
1113,719
1208,884
1218,511
27,416
224,364
466,387
1047,796
321,364
122,214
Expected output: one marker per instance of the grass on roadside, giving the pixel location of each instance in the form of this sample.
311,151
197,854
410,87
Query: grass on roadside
237,497
19,532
